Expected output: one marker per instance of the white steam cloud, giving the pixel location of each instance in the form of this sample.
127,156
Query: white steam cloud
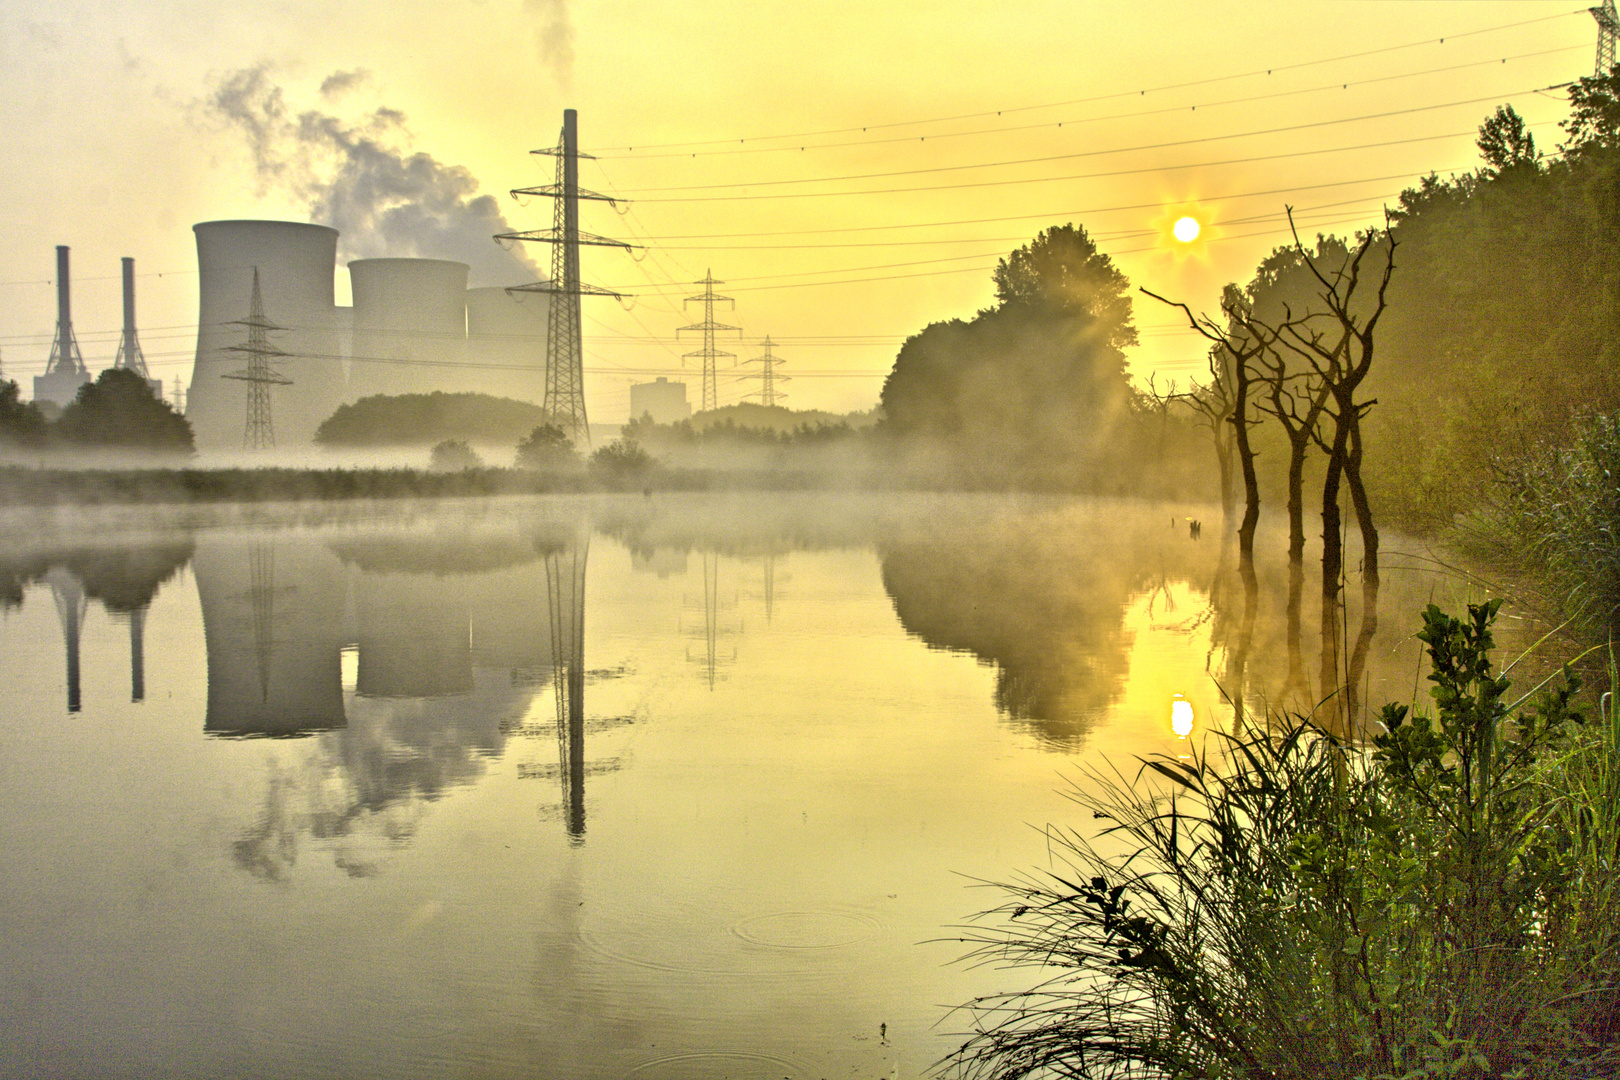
555,38
361,177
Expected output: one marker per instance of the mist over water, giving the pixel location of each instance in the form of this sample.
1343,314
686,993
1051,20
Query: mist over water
584,787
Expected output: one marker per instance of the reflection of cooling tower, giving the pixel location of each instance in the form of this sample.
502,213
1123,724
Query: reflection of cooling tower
273,624
511,629
414,639
296,263
410,327
506,335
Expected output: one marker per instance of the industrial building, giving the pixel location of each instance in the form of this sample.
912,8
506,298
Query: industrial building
415,327
662,400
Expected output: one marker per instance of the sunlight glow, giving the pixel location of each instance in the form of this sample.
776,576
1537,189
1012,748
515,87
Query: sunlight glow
1181,716
1186,229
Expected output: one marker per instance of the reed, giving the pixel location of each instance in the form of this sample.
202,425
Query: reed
1438,902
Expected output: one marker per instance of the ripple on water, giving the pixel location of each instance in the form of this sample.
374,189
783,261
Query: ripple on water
708,1064
823,929
744,948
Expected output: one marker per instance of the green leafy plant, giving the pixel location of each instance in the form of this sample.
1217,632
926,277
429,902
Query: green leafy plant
1298,906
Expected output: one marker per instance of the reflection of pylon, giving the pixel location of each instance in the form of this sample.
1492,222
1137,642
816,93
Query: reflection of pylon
712,658
565,356
68,592
260,431
709,353
262,596
565,595
1608,30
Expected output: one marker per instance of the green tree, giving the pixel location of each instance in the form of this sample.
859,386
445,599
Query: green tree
1506,143
1034,390
21,423
621,461
546,447
453,455
120,410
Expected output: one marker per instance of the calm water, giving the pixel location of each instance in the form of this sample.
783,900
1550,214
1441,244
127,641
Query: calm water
574,789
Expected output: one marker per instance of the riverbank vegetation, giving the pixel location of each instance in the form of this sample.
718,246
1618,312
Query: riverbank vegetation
1439,901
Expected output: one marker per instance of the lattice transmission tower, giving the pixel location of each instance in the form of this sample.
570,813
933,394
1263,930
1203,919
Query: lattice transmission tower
260,431
767,393
709,353
1608,30
565,353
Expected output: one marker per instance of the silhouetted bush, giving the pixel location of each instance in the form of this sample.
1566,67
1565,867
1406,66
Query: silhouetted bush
120,410
454,454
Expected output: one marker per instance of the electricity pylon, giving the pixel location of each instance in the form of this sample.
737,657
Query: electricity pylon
709,353
768,378
565,354
1608,30
260,432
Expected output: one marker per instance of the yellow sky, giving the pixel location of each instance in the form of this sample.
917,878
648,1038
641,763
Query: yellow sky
851,171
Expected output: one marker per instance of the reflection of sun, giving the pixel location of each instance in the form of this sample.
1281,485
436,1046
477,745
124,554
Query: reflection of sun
1181,716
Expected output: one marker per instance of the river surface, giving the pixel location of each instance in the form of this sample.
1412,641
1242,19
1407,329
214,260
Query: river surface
635,787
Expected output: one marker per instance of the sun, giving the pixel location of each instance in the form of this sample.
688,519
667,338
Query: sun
1186,229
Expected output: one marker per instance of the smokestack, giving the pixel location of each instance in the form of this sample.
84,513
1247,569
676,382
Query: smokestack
65,371
64,295
130,357
129,298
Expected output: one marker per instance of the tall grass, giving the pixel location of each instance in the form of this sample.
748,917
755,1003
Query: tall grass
1556,515
1439,903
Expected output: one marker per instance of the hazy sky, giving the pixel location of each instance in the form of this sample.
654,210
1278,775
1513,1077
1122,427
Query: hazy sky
851,171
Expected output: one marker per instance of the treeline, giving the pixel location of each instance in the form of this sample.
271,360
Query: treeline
428,419
116,411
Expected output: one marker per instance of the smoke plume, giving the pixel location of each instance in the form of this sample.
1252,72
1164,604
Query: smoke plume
362,178
555,38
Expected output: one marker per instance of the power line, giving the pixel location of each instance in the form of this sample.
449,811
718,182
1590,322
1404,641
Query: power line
1075,121
1119,93
1172,144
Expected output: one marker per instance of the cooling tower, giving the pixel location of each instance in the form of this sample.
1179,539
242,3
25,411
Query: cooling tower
410,327
296,264
506,342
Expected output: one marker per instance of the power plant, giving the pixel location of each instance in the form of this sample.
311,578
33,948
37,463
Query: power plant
414,327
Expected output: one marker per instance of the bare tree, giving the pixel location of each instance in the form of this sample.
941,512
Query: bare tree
1338,344
1225,401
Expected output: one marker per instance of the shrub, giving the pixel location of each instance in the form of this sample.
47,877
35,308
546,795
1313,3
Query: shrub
1307,908
546,447
453,455
621,461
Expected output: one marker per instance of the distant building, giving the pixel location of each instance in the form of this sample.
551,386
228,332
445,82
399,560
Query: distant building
663,400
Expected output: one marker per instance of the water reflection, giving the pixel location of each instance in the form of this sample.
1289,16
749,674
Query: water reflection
1043,597
383,793
122,578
